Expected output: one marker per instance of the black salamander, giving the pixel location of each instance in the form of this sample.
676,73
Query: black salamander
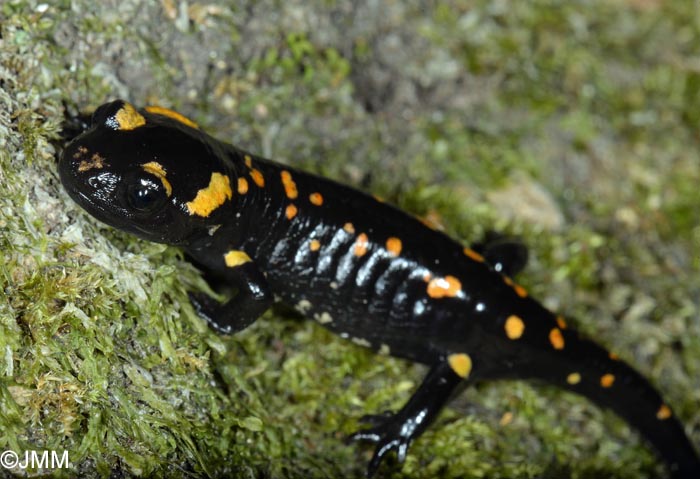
366,270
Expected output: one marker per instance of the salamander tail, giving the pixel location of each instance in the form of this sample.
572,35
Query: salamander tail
611,383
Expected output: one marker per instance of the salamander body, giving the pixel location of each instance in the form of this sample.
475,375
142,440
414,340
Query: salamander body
364,269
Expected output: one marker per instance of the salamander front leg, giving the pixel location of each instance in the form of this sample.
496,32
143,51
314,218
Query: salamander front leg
397,431
251,301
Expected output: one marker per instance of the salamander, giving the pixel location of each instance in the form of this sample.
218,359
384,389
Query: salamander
362,268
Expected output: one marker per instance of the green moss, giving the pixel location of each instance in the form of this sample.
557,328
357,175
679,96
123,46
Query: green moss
585,109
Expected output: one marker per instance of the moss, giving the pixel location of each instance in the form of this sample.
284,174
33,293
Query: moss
585,109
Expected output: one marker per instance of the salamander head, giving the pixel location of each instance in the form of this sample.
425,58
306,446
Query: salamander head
150,172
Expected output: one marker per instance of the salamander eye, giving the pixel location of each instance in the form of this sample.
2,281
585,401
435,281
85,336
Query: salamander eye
145,195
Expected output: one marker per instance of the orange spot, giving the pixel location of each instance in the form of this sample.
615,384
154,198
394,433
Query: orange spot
248,161
426,277
607,380
520,291
556,338
316,199
613,356
315,245
447,287
242,186
473,255
561,323
257,177
290,188
393,246
508,281
573,378
461,364
349,228
361,244
127,118
290,212
664,412
515,327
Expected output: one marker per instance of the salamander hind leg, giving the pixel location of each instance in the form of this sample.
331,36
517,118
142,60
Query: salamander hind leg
506,255
398,430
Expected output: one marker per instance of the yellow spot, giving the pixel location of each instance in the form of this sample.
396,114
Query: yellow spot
393,246
315,245
316,199
157,170
248,161
561,323
290,188
236,258
613,356
95,161
210,198
349,228
361,244
607,380
573,378
473,255
664,412
258,178
160,110
242,186
290,212
128,118
447,287
556,338
506,419
514,327
461,364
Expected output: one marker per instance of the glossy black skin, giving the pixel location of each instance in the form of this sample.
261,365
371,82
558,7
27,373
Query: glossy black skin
377,299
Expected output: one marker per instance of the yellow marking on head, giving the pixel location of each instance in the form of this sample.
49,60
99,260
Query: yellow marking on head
210,198
573,378
561,323
664,412
157,170
607,380
315,245
242,186
447,287
236,258
361,244
161,110
290,188
393,246
316,199
290,212
514,326
96,161
473,255
258,178
128,118
461,364
613,356
248,161
349,228
556,338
